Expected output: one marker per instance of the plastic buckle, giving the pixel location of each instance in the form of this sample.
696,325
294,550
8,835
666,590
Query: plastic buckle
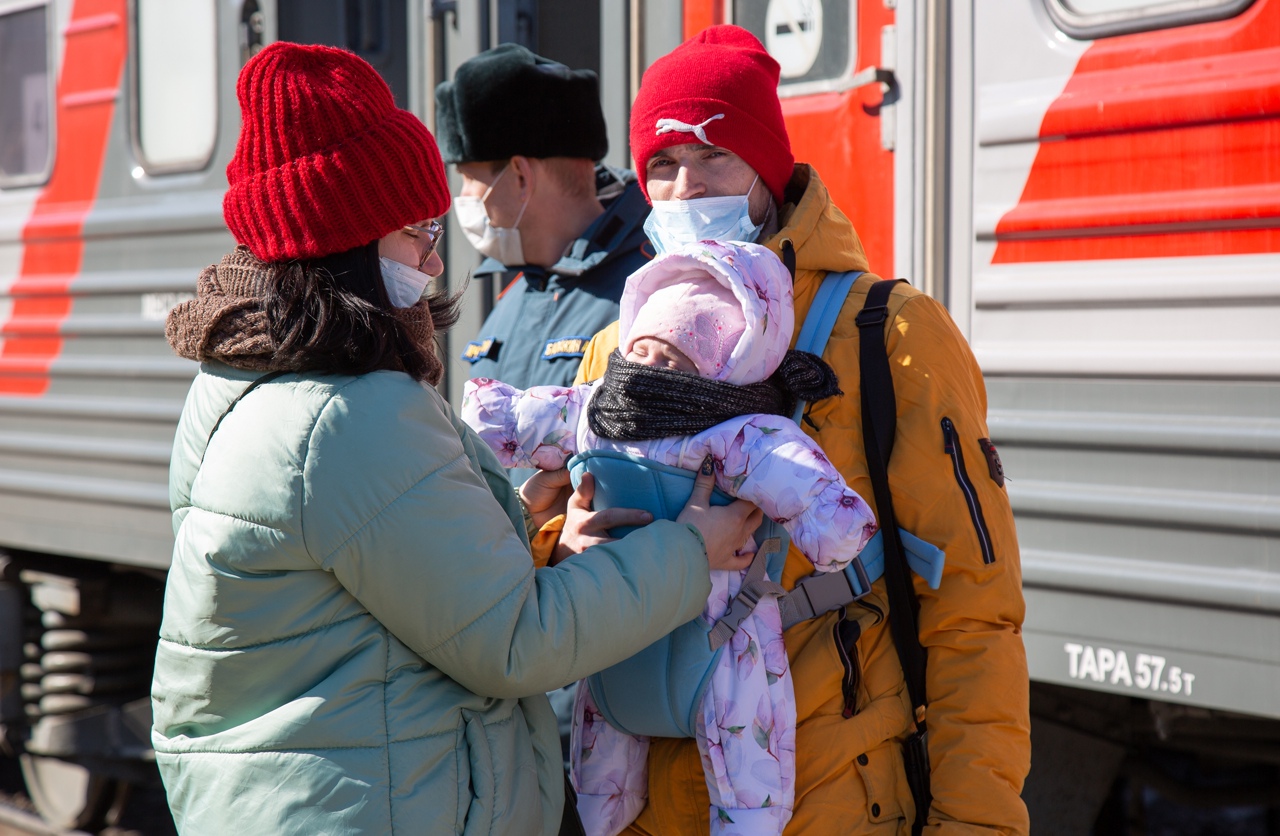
870,317
742,605
822,599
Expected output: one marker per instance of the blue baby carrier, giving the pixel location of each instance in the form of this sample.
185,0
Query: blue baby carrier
658,691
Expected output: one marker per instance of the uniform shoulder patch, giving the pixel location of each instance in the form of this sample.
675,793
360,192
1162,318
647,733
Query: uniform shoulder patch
485,348
557,347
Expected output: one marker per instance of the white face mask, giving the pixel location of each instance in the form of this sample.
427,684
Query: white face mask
674,223
404,284
497,242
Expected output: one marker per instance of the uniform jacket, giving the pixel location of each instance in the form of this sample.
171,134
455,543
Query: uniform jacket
355,640
849,775
538,329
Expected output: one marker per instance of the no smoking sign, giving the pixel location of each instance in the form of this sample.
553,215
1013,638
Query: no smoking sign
793,34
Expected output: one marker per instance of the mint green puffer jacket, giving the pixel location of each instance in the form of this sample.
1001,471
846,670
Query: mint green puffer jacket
355,640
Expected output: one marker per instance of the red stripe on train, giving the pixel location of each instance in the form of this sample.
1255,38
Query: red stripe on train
1162,144
53,237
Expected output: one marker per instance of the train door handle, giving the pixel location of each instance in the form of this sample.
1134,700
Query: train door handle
874,75
885,77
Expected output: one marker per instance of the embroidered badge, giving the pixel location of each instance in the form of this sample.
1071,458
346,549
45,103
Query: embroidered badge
994,467
482,349
665,126
564,347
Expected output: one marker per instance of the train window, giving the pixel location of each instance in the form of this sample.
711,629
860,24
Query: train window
813,40
1090,19
176,79
26,98
376,30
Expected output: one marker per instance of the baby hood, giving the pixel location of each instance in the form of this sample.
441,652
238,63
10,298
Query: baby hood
759,281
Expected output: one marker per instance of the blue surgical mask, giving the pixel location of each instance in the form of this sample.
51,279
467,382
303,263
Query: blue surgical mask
674,223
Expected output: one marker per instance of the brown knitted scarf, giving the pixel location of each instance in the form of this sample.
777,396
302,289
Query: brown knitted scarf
227,321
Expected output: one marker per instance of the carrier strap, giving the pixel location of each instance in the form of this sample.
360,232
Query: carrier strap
821,593
879,425
822,317
817,594
755,585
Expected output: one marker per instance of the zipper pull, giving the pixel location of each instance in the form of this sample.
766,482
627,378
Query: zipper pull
948,437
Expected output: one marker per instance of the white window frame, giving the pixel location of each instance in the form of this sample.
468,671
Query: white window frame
840,83
149,167
1156,14
29,179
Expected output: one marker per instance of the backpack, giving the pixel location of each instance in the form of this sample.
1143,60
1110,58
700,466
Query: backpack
658,691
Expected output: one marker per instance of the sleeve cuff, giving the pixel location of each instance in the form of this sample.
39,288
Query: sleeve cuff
543,542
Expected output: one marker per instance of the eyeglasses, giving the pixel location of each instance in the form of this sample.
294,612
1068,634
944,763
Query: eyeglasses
431,231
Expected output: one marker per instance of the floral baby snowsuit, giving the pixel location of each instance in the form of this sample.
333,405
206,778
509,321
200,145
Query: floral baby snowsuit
746,726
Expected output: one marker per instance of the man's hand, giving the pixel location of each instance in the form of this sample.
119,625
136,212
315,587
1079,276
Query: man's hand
584,528
546,494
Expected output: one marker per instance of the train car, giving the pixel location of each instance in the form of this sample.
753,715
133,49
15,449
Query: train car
1091,186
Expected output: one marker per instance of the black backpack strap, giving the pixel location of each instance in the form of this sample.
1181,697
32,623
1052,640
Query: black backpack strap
570,821
266,378
879,425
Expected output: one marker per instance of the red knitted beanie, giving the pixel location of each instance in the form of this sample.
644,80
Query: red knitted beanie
326,162
718,87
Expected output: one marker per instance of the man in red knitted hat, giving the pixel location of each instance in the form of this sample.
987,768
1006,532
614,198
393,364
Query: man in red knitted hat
714,160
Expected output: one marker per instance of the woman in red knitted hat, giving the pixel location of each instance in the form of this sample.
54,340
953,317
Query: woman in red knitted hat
355,638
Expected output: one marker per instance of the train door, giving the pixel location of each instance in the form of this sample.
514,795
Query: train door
842,90
1123,250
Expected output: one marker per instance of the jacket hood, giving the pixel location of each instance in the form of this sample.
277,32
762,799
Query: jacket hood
760,283
823,237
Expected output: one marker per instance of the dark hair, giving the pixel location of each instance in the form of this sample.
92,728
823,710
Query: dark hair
332,314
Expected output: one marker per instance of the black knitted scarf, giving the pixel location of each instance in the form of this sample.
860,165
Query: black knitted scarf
635,402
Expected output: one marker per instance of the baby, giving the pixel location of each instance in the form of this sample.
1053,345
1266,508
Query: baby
703,368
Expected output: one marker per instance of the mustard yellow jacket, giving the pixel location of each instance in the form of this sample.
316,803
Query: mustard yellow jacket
850,777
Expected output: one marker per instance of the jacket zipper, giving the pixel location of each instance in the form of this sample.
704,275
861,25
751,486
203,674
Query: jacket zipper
951,446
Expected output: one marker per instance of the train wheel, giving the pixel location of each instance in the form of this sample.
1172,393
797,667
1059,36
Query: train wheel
67,795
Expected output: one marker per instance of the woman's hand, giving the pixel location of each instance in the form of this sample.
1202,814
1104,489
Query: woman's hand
724,528
584,528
